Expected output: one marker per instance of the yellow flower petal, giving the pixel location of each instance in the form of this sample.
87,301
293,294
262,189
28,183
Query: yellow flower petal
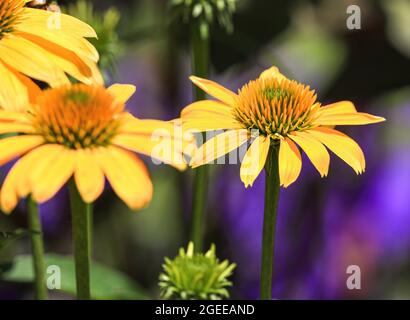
207,108
53,176
79,67
13,94
127,175
13,147
210,124
218,146
17,183
30,59
13,127
63,22
357,118
290,162
337,108
122,92
315,150
59,29
343,146
88,175
254,160
272,72
215,90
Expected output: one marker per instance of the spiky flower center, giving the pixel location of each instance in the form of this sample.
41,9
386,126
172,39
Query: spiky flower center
77,116
276,107
10,12
195,276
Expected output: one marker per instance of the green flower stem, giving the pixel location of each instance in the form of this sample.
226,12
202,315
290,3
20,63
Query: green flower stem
37,247
269,222
81,224
200,60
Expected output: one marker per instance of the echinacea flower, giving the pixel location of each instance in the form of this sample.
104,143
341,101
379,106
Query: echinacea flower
41,45
284,113
195,276
83,131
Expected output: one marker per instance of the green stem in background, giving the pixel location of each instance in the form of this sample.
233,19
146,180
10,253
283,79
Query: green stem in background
37,247
200,60
81,224
269,222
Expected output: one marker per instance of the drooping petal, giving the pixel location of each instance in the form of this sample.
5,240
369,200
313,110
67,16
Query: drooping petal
127,175
88,175
31,59
254,160
315,150
54,176
342,145
122,92
215,90
358,118
78,66
206,108
219,146
17,183
13,93
11,148
290,162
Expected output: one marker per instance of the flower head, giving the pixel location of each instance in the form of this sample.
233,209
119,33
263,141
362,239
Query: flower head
284,114
41,45
83,131
204,13
195,276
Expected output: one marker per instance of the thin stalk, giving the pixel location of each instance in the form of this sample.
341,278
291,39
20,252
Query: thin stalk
200,61
37,248
81,227
269,222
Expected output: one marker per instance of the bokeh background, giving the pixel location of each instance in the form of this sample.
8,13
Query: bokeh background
324,225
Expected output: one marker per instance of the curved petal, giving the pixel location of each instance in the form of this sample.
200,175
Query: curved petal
218,146
54,175
31,60
13,147
342,145
13,93
315,150
56,21
337,108
254,160
215,90
127,175
88,175
17,182
358,118
79,67
206,108
290,162
8,196
122,92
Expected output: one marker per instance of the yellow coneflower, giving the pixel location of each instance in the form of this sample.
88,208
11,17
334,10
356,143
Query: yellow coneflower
83,131
284,113
41,45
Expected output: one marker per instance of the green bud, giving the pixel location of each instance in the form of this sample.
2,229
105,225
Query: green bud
195,276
